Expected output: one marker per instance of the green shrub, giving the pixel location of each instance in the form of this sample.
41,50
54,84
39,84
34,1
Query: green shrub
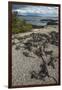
19,25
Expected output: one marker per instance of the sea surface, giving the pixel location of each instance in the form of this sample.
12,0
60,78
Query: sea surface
38,20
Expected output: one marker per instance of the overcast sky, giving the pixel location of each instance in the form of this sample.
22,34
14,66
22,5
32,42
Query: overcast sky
35,10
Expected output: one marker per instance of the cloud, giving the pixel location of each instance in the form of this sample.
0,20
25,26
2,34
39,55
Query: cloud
36,10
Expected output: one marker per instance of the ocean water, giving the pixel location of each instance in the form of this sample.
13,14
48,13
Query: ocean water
38,20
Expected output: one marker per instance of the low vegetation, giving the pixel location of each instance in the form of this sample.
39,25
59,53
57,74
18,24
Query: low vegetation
19,25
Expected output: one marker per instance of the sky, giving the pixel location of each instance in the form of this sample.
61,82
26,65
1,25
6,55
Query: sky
35,10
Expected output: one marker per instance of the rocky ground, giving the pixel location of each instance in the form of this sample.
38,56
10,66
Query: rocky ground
35,57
